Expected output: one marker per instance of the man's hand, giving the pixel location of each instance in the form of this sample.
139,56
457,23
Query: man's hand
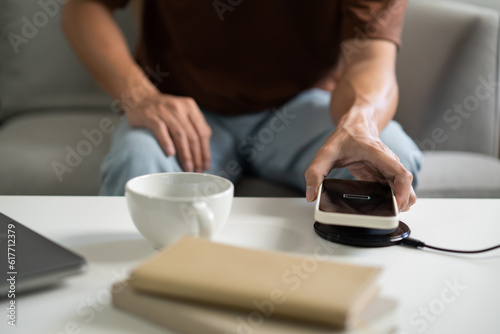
359,148
178,125
363,102
177,122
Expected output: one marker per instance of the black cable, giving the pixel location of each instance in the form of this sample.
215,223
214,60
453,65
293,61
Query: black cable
420,244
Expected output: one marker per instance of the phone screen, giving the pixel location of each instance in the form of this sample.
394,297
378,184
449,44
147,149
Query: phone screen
356,197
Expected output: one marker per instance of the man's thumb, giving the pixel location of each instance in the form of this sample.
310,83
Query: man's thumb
313,180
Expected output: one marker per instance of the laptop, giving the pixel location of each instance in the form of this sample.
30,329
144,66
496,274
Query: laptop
29,261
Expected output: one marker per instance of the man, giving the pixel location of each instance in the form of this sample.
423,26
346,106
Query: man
281,88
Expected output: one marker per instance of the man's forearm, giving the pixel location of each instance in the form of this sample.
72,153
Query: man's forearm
367,93
177,122
98,41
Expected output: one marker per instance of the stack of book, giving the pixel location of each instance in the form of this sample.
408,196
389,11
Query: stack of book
199,286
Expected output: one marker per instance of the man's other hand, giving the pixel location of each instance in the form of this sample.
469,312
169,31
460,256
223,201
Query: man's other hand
179,126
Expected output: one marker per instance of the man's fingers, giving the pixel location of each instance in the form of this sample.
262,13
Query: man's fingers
317,171
399,179
375,163
403,190
313,180
386,163
180,139
413,200
205,150
179,126
181,111
364,173
195,146
160,131
204,133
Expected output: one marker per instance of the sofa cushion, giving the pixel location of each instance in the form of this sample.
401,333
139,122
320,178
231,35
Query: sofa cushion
38,69
459,174
448,77
54,153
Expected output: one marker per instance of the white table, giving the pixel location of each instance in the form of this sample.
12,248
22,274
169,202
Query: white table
100,229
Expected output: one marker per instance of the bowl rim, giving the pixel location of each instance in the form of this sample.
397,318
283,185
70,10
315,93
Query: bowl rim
223,193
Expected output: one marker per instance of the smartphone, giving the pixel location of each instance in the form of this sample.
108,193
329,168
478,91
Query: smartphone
356,204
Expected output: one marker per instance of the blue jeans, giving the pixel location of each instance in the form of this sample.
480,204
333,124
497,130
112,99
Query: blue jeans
277,145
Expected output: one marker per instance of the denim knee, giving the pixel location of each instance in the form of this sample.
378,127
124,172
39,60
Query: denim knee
413,162
135,153
410,156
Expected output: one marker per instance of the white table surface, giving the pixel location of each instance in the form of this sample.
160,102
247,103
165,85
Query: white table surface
99,228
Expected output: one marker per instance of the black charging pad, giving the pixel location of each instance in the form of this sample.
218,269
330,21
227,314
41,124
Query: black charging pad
362,237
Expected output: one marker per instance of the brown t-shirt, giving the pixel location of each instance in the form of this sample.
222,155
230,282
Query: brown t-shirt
241,56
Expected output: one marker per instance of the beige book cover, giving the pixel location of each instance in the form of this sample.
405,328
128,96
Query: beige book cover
300,288
379,317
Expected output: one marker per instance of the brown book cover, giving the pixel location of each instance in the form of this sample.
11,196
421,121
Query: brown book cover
300,288
379,317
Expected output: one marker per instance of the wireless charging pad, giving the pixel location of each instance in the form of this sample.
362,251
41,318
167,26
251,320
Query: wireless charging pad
362,237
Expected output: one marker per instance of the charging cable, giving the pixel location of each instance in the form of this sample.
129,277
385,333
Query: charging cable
420,244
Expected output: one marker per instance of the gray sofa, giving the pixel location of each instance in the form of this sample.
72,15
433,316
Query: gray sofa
56,124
